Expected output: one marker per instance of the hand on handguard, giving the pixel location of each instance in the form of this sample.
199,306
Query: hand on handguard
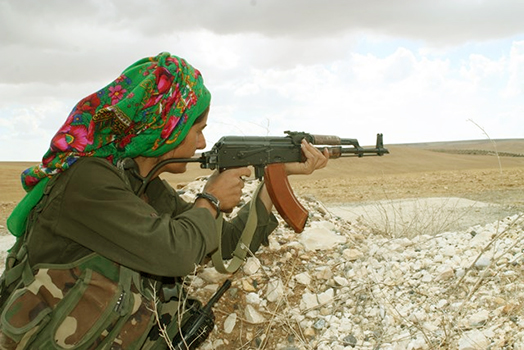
314,160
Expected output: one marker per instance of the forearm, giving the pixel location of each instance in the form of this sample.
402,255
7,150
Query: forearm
264,197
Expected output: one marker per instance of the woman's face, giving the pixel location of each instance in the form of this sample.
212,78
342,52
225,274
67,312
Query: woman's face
186,149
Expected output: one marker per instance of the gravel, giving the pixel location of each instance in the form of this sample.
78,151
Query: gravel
358,283
441,273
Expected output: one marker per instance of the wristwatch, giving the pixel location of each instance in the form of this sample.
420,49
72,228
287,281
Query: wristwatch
212,199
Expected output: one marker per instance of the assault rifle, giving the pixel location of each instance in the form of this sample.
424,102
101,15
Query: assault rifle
261,151
268,154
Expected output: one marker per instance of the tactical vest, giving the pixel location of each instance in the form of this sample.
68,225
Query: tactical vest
92,303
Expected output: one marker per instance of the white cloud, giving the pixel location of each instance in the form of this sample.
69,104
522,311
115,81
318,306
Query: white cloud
515,85
409,98
414,70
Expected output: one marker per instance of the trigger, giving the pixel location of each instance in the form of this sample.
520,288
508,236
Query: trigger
259,172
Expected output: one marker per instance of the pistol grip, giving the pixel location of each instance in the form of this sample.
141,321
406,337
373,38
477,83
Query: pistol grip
283,198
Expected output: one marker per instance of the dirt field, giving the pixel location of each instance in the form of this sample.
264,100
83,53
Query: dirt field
409,171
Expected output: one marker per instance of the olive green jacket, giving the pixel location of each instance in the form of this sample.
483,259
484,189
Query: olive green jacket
92,207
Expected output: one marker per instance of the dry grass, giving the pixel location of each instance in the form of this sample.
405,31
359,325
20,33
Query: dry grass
414,217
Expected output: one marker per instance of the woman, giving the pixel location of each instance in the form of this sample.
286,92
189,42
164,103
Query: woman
99,244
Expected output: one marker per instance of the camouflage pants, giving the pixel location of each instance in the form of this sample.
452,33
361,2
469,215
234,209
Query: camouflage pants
79,308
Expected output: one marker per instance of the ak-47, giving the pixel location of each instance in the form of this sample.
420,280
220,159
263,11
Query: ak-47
268,154
261,151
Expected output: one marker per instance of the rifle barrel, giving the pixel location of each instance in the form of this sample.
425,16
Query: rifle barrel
337,152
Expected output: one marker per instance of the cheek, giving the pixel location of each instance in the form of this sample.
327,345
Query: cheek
168,155
193,143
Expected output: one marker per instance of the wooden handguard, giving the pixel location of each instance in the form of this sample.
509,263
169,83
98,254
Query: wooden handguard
283,197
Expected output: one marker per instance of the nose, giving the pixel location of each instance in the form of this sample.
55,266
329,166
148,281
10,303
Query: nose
201,142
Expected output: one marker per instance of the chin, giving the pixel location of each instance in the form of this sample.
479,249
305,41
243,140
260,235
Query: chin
175,168
181,168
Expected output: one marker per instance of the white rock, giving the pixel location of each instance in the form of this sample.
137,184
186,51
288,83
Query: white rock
352,254
273,244
230,322
473,340
395,247
484,261
449,251
444,272
251,266
197,282
324,273
417,316
481,239
6,242
341,281
426,277
253,298
419,343
441,303
275,290
417,265
309,300
460,272
326,297
519,345
252,315
431,326
303,278
211,275
218,343
479,318
319,237
403,242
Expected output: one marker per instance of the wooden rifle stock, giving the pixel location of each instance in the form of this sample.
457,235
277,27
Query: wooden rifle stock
283,198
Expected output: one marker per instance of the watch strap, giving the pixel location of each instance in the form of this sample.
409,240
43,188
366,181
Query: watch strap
212,199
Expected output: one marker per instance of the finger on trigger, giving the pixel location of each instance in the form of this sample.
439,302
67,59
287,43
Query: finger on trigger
244,171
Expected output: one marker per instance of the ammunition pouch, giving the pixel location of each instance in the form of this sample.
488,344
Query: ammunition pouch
89,304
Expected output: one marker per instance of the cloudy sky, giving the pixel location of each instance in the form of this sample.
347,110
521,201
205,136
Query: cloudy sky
415,70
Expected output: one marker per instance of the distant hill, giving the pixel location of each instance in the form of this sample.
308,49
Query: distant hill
501,145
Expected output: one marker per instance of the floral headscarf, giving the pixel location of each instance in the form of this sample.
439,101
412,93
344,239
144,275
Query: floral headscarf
147,111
